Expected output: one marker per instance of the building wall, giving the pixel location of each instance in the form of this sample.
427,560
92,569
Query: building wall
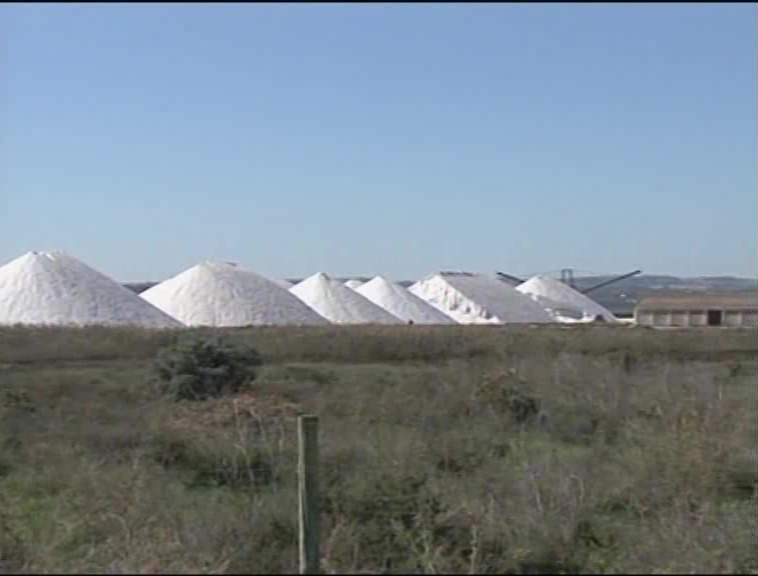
695,318
643,318
698,318
732,318
661,319
680,319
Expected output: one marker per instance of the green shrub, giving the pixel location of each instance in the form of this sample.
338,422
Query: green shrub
507,392
198,368
12,399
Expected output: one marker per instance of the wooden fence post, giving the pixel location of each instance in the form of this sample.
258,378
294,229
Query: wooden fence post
307,434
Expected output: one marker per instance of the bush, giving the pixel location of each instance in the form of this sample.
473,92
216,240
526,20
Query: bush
198,368
506,392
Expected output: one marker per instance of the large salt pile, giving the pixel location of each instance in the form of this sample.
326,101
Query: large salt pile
354,283
338,303
399,302
478,299
562,301
54,288
223,294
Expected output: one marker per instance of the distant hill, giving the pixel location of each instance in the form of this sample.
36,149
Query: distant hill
620,298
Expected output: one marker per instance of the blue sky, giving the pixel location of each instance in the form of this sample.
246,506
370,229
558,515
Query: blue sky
394,139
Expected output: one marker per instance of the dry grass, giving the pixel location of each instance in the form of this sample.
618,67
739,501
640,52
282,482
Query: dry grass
360,344
465,450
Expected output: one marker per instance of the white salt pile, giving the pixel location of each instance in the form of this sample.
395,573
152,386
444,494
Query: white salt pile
54,288
562,301
478,299
354,283
338,303
399,302
223,294
283,282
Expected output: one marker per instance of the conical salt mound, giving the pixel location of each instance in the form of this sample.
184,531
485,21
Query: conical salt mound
338,303
401,303
354,283
54,288
478,299
222,294
562,301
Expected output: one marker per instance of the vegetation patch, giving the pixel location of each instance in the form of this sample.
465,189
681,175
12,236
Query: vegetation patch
198,368
460,450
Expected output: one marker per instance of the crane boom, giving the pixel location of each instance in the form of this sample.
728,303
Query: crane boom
611,281
510,278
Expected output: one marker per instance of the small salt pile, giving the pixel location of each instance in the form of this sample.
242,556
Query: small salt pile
338,303
54,288
399,302
478,299
224,294
562,301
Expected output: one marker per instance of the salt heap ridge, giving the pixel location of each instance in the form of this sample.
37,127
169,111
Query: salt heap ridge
338,303
283,282
54,288
478,299
562,301
401,303
354,283
224,294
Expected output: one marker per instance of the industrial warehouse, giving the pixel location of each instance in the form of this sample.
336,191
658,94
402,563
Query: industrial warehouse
688,309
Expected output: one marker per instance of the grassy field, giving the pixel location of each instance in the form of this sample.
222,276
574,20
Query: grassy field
451,449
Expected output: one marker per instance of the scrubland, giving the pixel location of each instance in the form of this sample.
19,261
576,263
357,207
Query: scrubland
522,450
